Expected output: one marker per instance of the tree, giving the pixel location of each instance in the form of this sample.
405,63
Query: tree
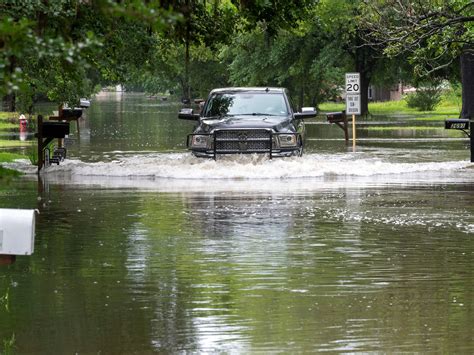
61,48
205,25
434,34
285,44
341,21
273,15
300,59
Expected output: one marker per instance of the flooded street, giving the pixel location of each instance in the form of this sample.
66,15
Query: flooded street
142,248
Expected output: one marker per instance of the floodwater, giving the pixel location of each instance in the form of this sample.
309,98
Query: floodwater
141,248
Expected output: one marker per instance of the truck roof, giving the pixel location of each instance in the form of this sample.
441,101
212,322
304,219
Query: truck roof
249,89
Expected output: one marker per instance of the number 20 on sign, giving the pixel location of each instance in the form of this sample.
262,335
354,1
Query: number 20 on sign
353,83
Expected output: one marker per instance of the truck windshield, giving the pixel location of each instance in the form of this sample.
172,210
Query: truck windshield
231,104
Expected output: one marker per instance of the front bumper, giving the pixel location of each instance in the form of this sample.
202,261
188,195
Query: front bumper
245,141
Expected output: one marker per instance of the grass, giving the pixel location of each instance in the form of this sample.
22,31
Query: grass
9,345
7,125
4,143
8,174
9,157
8,120
450,106
401,107
332,106
9,116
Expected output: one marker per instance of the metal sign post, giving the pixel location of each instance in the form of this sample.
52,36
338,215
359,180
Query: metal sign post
353,100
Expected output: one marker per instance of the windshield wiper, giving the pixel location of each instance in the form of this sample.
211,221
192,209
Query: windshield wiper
257,114
216,117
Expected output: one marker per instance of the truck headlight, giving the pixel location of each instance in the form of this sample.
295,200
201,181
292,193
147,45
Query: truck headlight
199,141
287,140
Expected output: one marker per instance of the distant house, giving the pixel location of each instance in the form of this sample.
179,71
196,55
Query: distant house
391,93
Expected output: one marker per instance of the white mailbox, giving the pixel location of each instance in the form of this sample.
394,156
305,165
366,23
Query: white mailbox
17,231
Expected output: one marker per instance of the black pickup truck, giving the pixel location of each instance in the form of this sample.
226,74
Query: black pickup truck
247,120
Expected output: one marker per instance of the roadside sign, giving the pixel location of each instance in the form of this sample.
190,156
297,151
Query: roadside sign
353,101
352,104
352,83
457,123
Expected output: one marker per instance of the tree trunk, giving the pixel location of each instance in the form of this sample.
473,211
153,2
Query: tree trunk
9,102
187,39
364,66
365,59
187,87
9,99
467,80
364,92
301,97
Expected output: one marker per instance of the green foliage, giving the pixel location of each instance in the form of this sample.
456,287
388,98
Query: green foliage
433,33
64,48
9,345
448,107
8,116
301,59
426,97
9,157
9,143
32,154
275,14
7,174
31,45
7,125
204,29
5,300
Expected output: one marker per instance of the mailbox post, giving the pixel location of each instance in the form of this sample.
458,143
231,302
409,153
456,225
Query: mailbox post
57,128
339,119
48,130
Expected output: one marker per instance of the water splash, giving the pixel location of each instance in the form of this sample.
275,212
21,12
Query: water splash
185,166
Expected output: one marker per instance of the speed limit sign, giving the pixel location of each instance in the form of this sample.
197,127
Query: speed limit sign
352,83
353,100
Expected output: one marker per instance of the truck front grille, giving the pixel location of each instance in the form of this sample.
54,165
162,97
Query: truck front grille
242,141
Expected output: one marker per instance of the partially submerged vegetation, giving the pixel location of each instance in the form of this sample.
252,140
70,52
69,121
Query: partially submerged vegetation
7,174
6,157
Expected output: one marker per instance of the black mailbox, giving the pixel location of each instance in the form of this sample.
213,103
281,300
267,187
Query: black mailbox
333,117
457,123
55,129
73,113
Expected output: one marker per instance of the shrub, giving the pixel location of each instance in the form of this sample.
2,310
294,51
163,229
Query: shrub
426,97
32,154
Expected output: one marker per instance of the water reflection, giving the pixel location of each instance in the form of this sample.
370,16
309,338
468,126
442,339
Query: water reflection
236,271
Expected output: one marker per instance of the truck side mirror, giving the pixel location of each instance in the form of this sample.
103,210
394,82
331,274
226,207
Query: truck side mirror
306,112
188,114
